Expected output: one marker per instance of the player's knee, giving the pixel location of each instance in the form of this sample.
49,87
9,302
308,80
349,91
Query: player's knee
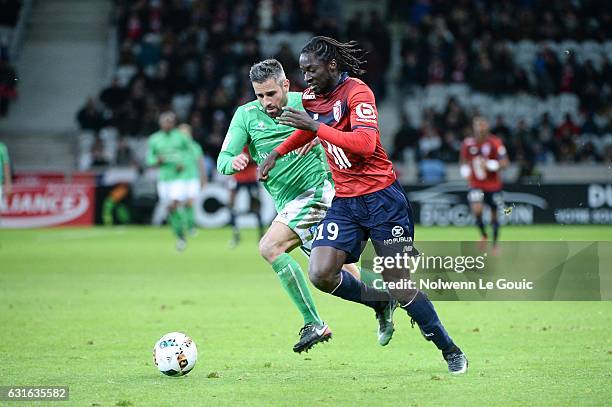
270,249
322,277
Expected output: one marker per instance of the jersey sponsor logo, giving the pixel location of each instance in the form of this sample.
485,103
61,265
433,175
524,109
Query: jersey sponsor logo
399,240
308,95
365,111
339,156
337,110
397,231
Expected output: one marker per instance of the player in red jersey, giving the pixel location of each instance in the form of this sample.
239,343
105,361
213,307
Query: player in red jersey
370,203
483,156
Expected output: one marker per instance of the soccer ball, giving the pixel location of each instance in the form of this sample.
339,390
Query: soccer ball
175,354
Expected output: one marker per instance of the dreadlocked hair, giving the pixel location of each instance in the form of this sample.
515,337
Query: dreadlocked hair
348,55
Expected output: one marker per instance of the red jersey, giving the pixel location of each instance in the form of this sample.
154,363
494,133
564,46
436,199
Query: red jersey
476,155
350,137
249,174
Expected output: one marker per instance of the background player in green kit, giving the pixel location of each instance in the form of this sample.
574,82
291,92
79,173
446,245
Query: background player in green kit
169,149
5,172
194,177
298,185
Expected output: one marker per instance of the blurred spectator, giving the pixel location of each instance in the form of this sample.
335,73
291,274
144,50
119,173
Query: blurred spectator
405,138
454,117
589,126
501,130
567,129
89,117
544,134
429,139
113,96
588,153
449,151
125,156
8,86
98,155
431,170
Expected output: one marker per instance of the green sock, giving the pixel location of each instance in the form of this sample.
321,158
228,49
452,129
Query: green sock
292,279
189,218
107,212
177,223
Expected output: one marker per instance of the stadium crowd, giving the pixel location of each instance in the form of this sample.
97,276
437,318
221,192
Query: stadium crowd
193,57
505,48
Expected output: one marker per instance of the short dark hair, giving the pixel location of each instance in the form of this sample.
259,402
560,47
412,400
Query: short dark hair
266,69
348,55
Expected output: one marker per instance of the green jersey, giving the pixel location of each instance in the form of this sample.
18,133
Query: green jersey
192,165
174,149
4,161
292,174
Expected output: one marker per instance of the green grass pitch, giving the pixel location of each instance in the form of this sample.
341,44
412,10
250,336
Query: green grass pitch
83,308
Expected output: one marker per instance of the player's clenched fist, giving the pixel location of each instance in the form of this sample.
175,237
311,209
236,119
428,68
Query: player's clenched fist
267,165
240,162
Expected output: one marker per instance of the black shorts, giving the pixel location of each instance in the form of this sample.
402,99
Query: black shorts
495,199
383,216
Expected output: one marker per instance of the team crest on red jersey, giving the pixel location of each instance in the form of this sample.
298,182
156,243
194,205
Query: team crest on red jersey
337,110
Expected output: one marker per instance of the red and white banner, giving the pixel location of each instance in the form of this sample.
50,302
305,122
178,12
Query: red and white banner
45,204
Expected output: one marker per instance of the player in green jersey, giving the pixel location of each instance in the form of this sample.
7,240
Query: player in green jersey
169,149
5,172
194,177
298,185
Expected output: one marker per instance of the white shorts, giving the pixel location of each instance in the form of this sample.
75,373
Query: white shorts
303,214
192,188
169,191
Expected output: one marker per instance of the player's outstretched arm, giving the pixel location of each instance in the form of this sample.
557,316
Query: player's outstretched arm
361,141
297,140
306,148
231,159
